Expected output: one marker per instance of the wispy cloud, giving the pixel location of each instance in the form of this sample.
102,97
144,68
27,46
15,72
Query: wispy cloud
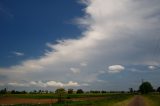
75,70
18,53
5,11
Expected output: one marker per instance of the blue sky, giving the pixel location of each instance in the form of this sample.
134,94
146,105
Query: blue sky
39,22
88,44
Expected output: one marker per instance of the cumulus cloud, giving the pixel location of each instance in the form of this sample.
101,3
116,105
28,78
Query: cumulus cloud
127,33
44,84
116,68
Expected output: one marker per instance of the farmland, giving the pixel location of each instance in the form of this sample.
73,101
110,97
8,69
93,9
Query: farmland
91,99
69,99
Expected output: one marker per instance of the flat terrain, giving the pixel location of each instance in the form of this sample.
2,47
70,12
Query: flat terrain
13,100
81,100
137,101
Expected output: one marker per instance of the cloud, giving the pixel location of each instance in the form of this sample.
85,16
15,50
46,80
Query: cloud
83,64
152,67
127,33
116,68
75,70
5,11
18,53
18,84
44,84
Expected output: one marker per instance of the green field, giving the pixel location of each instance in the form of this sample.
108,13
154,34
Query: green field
48,96
153,99
109,100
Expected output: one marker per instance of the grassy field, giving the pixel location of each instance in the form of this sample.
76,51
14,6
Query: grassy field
153,99
49,96
109,100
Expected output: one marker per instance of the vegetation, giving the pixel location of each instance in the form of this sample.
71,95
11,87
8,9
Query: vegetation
60,92
70,91
145,88
80,91
90,98
153,99
108,100
158,89
3,91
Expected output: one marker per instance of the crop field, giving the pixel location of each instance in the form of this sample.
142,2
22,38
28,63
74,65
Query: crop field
69,99
99,99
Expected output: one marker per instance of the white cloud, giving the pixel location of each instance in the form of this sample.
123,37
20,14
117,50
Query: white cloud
18,84
115,68
44,84
83,64
152,67
75,70
18,53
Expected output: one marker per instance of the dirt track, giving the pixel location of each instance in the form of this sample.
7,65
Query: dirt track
137,101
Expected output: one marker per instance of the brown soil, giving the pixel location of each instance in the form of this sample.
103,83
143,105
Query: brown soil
137,101
11,100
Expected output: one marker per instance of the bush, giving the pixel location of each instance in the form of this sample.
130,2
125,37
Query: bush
80,91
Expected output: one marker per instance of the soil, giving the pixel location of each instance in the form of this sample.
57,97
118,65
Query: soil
137,101
13,100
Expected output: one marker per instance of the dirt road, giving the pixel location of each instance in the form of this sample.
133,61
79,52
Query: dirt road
137,101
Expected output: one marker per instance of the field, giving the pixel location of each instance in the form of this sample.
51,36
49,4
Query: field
107,99
153,99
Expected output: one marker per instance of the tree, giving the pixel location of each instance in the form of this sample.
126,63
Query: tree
60,92
80,91
158,89
145,88
70,91
3,91
103,92
131,90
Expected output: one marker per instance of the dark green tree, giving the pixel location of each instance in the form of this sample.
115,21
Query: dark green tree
131,90
158,89
80,91
70,91
60,93
145,88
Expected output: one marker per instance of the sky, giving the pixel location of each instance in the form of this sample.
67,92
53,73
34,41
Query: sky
88,44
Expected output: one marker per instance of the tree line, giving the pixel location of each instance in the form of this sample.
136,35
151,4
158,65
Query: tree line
144,88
